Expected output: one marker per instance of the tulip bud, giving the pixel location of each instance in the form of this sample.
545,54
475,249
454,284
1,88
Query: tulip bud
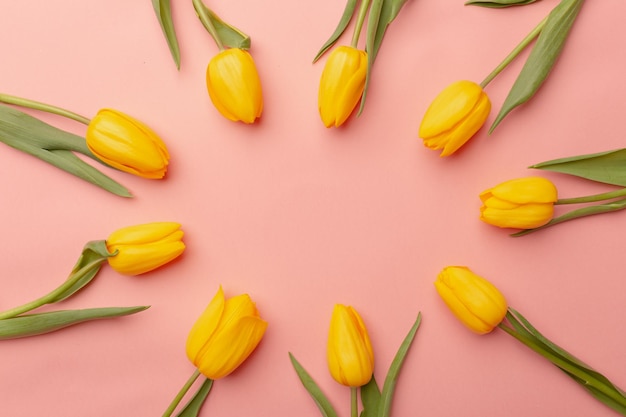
474,301
127,144
349,352
234,85
455,115
341,85
523,203
142,248
225,335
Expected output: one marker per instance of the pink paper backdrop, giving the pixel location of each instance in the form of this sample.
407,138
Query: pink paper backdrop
302,217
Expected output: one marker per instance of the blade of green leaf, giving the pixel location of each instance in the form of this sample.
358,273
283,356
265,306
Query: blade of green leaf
394,369
370,398
605,167
346,17
313,389
496,4
54,146
41,323
163,10
382,13
228,34
575,214
542,58
192,408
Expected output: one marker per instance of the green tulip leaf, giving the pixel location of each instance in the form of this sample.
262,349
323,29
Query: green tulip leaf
542,58
313,389
496,4
394,369
370,398
226,34
41,323
348,12
163,10
381,14
605,167
594,382
192,408
54,146
575,214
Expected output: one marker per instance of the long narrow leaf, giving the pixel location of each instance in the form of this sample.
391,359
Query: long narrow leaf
605,167
192,408
391,379
41,323
163,10
370,398
496,4
542,58
313,389
346,17
228,34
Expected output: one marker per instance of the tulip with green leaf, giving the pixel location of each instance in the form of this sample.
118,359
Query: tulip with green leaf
112,138
130,251
481,307
346,75
351,363
451,120
224,336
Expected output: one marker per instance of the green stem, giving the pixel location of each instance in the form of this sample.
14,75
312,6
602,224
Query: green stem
48,298
354,404
181,393
593,198
515,52
203,15
35,105
359,23
570,368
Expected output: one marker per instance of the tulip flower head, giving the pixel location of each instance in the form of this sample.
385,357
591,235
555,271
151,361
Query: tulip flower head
455,115
225,335
142,248
349,352
476,302
523,203
127,144
341,85
234,85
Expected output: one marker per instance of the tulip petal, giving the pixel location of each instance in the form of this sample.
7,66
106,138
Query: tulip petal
136,260
205,326
144,233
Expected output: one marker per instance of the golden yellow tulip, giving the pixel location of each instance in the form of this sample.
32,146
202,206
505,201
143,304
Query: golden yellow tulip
142,248
476,302
127,144
341,85
523,203
234,85
349,352
225,335
455,115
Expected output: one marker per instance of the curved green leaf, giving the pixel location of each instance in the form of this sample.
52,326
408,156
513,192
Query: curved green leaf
605,167
41,323
370,398
496,4
313,389
228,35
348,12
163,11
542,58
192,408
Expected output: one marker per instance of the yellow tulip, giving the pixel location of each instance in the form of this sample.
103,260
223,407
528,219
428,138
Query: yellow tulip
349,352
455,115
234,85
476,302
341,85
127,144
225,335
144,247
523,203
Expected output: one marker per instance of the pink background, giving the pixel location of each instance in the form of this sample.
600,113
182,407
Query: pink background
302,217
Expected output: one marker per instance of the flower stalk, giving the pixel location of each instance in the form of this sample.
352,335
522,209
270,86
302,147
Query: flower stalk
48,108
359,23
203,15
178,398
